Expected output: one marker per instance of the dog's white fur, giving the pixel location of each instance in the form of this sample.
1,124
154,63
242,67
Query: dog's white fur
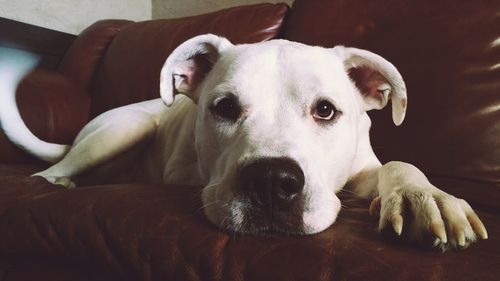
277,84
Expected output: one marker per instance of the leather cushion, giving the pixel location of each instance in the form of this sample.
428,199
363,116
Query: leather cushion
154,232
130,70
83,57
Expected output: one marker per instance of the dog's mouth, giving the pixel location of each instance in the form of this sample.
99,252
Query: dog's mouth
244,216
239,215
265,227
268,230
270,196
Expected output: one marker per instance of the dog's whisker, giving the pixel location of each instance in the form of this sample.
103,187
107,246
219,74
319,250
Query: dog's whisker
346,191
228,228
216,202
214,184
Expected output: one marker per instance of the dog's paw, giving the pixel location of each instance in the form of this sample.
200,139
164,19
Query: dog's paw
429,216
64,181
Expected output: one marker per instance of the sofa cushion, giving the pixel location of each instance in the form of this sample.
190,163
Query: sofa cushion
130,69
83,57
448,53
152,232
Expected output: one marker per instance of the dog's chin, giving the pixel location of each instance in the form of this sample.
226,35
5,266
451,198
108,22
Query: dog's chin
236,214
272,229
268,228
256,222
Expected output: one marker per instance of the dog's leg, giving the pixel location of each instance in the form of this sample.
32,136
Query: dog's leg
409,204
105,137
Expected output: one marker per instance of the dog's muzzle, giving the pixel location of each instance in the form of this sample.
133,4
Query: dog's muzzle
275,187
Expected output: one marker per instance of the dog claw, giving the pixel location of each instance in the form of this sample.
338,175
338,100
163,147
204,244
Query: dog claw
460,238
477,225
439,230
397,223
64,181
483,233
375,206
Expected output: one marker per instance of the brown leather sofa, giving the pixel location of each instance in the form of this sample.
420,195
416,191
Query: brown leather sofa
447,51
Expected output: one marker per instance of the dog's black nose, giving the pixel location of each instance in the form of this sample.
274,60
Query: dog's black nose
272,183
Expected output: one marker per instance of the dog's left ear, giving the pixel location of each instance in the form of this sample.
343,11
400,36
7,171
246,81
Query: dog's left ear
189,63
377,79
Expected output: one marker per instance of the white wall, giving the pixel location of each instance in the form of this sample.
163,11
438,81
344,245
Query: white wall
181,8
72,16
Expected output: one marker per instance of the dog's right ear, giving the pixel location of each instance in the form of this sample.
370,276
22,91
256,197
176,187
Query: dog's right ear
377,79
189,63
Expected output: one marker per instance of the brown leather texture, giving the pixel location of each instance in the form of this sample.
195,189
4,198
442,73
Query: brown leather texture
151,232
130,70
446,54
83,57
52,106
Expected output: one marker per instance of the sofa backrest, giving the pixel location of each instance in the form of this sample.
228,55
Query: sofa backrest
82,59
449,55
124,66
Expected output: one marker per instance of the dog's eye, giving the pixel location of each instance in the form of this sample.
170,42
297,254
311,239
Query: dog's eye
324,110
227,108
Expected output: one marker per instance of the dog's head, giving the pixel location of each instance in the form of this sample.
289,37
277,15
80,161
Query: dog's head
278,126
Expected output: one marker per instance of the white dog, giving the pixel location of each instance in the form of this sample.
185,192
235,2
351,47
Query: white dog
272,131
